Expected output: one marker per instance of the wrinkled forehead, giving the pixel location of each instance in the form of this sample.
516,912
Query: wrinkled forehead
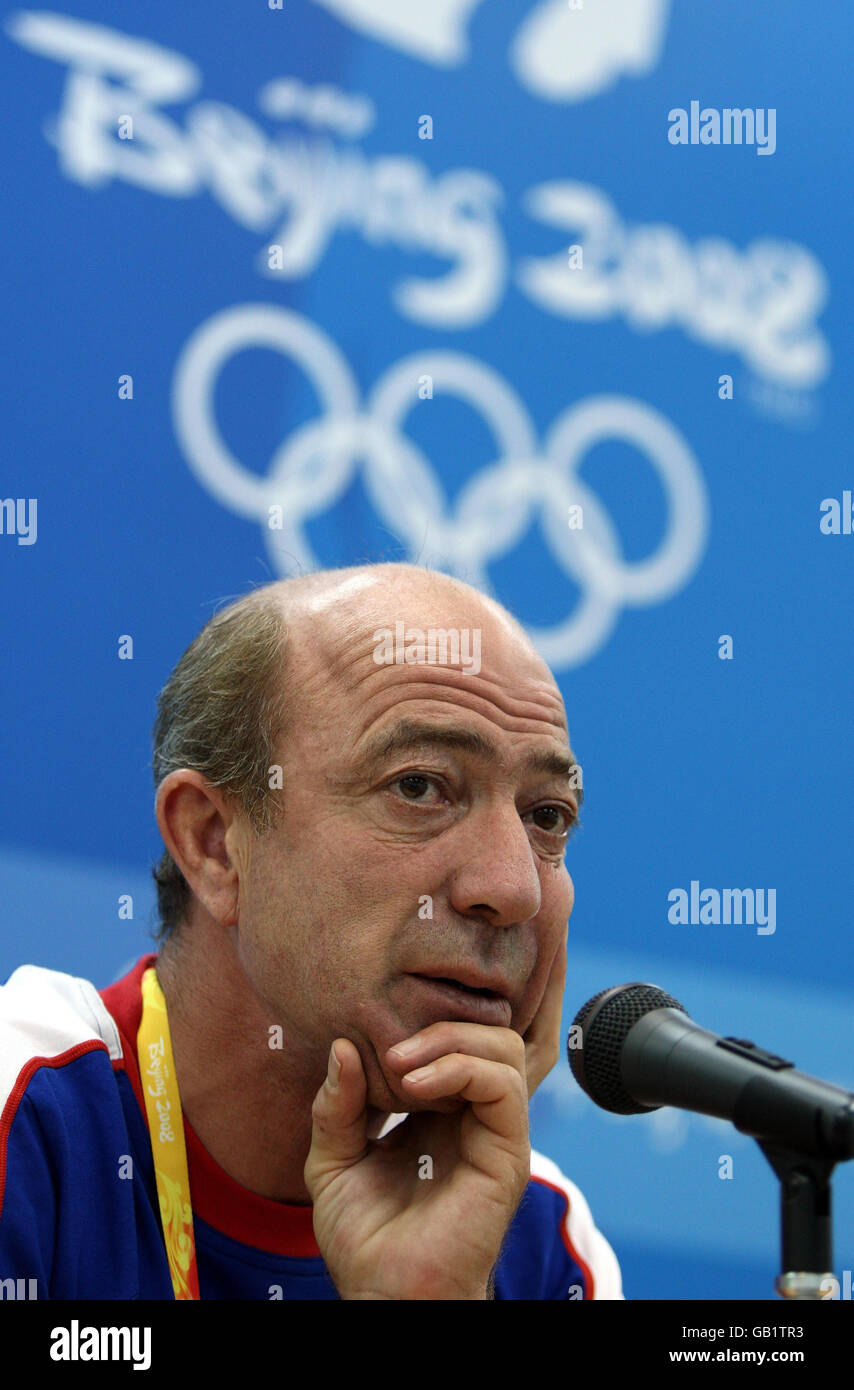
366,650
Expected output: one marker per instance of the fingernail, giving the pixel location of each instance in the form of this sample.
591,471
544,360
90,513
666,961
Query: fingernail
403,1049
334,1070
421,1074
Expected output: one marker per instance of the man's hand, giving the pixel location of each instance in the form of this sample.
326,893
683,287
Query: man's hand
422,1213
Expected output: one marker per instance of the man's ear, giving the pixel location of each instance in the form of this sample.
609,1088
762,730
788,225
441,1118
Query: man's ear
199,828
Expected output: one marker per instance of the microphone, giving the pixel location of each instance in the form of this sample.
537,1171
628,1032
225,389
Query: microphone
638,1049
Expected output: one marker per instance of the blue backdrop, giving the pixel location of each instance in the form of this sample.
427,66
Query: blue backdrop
355,279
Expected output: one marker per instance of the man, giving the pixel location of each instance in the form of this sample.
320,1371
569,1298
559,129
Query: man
365,789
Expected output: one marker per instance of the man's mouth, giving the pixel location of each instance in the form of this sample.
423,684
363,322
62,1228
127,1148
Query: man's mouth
462,1000
458,984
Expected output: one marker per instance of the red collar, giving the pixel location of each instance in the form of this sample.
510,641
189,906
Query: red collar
217,1199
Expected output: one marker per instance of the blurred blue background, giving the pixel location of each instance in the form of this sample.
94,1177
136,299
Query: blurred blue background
424,172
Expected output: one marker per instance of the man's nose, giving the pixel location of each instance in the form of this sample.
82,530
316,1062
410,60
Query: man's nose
497,873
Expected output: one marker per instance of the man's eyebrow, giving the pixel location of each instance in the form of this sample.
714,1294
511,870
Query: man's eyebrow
555,764
408,734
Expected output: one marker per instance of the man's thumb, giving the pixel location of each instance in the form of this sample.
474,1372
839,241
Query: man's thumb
339,1117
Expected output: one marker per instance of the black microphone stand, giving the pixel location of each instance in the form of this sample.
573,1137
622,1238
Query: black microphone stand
806,1222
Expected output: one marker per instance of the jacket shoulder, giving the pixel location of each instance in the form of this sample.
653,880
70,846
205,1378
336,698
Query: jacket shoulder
582,1240
48,1017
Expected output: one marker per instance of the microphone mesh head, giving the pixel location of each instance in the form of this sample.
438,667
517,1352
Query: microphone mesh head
605,1022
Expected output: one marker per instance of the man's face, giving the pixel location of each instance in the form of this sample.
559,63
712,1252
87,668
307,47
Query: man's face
427,810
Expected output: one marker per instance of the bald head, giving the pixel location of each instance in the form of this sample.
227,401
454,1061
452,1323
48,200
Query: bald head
399,614
359,595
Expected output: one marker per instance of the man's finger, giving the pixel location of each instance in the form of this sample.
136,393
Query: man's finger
497,1092
476,1039
339,1117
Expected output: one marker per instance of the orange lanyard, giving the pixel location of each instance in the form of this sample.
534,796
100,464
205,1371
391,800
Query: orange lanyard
166,1130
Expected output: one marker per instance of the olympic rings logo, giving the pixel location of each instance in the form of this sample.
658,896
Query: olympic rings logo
528,482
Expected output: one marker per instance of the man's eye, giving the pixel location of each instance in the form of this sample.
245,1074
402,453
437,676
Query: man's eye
555,819
413,786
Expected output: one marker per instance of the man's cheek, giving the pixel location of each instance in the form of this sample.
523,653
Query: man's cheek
559,895
535,993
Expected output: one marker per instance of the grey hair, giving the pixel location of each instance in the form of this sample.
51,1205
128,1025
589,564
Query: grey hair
221,712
